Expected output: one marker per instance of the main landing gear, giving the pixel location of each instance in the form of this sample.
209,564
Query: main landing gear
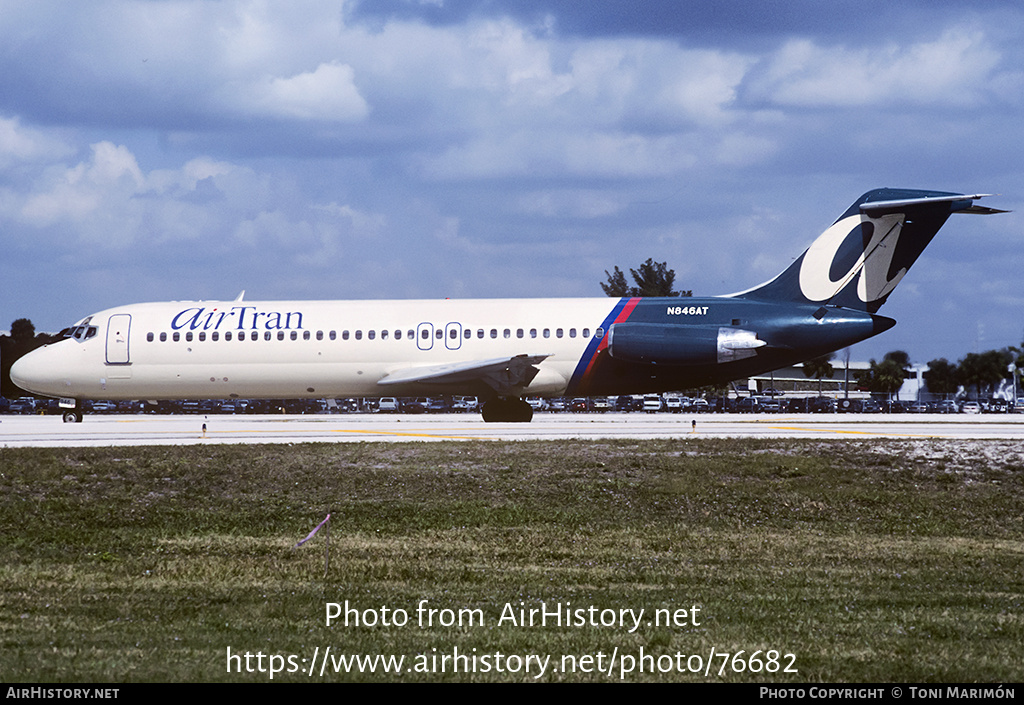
503,409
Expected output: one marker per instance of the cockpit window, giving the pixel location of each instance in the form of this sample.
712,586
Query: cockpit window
82,332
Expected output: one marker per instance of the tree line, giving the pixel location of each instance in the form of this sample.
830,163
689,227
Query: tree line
22,340
982,372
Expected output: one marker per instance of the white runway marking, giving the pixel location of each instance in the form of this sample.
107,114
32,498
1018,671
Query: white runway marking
50,431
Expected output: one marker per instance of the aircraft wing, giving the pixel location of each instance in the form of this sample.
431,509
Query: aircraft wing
505,375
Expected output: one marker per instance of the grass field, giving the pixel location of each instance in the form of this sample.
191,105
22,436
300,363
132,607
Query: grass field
866,561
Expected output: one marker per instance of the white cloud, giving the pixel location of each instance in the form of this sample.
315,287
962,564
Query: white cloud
326,93
954,69
19,145
76,193
572,203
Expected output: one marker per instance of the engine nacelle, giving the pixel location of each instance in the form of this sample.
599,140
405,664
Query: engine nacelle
667,344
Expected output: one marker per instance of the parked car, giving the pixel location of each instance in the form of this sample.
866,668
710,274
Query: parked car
625,403
388,405
652,403
537,403
998,406
465,404
699,406
557,404
970,407
438,405
747,405
103,407
22,405
415,406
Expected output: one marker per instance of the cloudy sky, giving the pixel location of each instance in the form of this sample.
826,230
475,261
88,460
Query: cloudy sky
189,149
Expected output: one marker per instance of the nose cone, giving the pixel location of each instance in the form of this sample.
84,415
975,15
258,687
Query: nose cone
35,373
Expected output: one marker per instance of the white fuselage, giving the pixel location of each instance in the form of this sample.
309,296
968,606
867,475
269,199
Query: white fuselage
321,349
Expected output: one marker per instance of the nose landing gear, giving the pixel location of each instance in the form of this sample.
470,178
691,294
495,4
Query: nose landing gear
74,415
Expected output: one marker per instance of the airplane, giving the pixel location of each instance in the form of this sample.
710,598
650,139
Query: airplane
501,350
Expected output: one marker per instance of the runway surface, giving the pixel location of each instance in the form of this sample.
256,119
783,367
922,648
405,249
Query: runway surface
124,430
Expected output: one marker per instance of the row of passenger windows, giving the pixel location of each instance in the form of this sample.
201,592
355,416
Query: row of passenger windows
453,334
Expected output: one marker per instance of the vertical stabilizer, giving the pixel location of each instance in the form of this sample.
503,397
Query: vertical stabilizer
861,258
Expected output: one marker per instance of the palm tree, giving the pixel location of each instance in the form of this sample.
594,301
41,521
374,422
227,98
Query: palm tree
819,368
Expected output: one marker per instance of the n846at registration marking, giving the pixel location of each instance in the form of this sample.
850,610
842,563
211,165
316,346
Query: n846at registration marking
687,310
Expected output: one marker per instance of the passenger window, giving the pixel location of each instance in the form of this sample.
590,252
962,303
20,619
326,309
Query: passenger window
480,333
215,336
188,336
163,337
294,336
319,335
519,332
558,333
508,333
586,332
572,332
344,335
547,332
202,335
305,335
384,335
533,332
398,334
494,332
359,335
149,337
227,336
280,335
453,334
439,334
411,335
599,333
267,335
176,336
425,334
371,334
334,335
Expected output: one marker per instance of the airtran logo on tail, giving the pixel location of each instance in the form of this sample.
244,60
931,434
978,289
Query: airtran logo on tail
856,246
236,318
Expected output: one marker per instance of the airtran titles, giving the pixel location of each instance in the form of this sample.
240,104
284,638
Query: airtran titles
236,318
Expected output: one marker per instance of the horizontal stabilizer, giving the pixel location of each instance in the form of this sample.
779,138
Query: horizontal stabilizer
962,200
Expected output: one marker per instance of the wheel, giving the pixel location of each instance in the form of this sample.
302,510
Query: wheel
73,416
507,410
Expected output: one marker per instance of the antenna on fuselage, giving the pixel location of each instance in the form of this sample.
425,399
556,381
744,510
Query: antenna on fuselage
241,295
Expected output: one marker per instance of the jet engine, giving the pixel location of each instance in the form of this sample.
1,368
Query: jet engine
660,344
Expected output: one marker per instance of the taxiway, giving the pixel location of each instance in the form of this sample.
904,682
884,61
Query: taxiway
50,431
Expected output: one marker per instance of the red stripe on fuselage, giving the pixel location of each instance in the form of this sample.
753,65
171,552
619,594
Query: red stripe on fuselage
623,315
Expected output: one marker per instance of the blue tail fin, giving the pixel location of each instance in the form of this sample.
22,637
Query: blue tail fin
858,261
